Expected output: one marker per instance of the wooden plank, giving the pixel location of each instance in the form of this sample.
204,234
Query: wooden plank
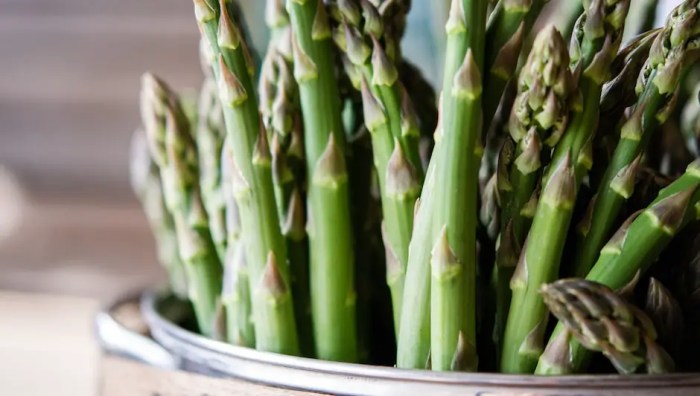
122,377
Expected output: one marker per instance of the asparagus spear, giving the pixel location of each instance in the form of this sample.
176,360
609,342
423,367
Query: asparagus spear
539,117
684,254
597,37
209,137
277,20
618,94
603,321
146,184
509,24
630,251
666,313
444,236
657,86
235,293
690,120
508,27
330,233
265,250
566,15
279,106
640,19
174,150
424,101
391,121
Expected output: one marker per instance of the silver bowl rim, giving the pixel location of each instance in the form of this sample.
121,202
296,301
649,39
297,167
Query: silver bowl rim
115,338
167,333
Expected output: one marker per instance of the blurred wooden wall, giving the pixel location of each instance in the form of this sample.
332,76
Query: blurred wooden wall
69,80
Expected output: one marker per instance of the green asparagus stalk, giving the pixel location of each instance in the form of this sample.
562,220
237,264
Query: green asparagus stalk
265,250
690,120
394,14
667,315
209,138
597,37
392,123
508,26
453,261
329,229
424,100
173,149
656,87
279,106
603,321
277,20
618,94
640,19
684,255
630,251
235,293
539,117
443,238
146,184
507,29
562,14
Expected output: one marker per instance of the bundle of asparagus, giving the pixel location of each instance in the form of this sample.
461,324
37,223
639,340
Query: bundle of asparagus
267,203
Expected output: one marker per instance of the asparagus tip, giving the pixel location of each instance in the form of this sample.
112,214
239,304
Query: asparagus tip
465,357
467,79
445,264
272,282
228,35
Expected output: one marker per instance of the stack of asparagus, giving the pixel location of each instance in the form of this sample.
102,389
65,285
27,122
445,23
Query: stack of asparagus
270,201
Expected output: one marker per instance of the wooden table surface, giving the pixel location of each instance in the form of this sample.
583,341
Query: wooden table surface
46,345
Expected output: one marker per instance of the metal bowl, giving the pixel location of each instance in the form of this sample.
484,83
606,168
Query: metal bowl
129,338
196,353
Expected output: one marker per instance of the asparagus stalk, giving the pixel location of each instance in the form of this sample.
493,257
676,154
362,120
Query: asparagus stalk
146,184
235,293
667,315
444,234
391,121
330,233
539,117
265,250
279,106
629,252
563,15
508,26
690,120
640,19
210,137
453,261
424,101
277,20
507,29
173,149
603,321
618,94
597,37
657,86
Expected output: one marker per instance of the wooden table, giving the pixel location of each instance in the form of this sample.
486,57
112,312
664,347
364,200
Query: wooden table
47,345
